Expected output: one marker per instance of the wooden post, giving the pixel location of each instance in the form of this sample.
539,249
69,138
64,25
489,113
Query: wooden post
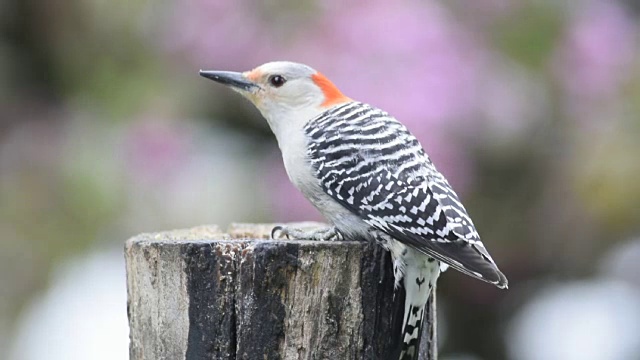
205,294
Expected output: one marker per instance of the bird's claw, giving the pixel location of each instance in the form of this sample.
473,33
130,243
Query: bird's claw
327,234
279,229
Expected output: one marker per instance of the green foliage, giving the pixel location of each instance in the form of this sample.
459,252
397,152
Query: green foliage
530,34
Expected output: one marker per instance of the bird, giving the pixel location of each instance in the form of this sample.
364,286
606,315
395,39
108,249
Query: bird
370,178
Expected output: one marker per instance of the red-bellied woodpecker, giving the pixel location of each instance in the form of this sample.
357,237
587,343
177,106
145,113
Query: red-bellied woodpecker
369,176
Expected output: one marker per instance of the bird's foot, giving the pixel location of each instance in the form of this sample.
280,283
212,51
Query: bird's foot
321,234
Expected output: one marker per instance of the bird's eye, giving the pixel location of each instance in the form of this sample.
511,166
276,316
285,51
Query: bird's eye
277,80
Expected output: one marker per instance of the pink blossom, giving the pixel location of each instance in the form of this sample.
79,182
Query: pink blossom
597,50
155,150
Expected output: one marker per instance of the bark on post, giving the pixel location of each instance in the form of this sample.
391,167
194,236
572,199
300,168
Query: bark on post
206,294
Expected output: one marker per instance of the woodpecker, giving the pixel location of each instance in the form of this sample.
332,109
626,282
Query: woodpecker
370,178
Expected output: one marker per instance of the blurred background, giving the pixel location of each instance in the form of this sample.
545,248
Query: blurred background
531,108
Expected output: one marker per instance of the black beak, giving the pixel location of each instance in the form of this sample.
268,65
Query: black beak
230,78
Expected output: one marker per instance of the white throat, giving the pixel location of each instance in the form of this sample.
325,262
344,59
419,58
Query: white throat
288,125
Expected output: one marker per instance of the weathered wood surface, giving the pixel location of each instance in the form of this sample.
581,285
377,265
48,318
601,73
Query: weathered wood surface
206,294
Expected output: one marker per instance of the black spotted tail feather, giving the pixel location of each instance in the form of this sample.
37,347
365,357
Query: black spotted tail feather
420,276
412,331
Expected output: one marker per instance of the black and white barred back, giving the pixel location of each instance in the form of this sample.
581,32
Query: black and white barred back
373,166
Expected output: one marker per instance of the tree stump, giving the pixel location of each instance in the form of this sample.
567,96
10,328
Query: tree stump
205,294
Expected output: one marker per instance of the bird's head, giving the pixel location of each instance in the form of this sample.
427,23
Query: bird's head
282,90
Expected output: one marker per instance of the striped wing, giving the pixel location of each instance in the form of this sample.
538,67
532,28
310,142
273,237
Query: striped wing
372,165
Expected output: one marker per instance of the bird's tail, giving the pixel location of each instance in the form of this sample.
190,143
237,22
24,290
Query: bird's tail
412,332
418,281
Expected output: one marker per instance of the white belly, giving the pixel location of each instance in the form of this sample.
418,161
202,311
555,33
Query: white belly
349,224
